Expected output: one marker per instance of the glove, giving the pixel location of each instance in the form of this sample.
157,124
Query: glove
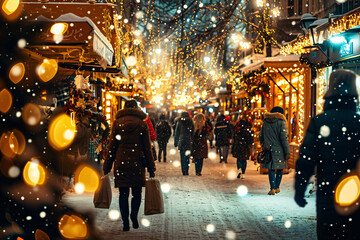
300,200
151,174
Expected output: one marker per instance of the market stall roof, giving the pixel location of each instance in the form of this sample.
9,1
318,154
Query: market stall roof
281,61
81,44
253,67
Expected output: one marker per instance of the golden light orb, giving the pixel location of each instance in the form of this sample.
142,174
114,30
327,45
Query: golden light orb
34,173
17,72
61,132
73,227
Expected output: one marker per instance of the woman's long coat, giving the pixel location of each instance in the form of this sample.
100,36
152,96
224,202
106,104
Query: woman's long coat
332,145
129,142
184,133
274,133
242,140
200,147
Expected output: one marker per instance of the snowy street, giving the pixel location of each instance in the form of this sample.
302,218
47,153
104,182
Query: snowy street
208,206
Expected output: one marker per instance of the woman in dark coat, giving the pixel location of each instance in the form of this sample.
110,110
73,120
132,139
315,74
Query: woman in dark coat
163,133
183,138
331,145
273,135
222,137
242,143
200,148
129,144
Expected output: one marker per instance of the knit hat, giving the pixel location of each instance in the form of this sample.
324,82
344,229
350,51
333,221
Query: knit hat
277,109
130,104
342,83
162,116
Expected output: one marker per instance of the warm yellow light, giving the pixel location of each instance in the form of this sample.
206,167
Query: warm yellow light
347,191
59,28
10,6
61,132
5,100
31,114
12,143
108,96
108,110
88,177
34,173
17,72
41,235
73,227
47,69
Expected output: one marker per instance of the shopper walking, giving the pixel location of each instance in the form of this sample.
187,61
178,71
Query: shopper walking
222,137
163,133
331,146
273,136
210,127
183,138
129,146
242,144
200,148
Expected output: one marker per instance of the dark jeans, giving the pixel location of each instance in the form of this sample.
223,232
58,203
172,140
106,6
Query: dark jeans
198,165
162,148
223,151
184,162
124,203
275,181
241,164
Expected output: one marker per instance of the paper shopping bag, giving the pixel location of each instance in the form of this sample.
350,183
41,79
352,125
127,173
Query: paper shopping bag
154,203
103,195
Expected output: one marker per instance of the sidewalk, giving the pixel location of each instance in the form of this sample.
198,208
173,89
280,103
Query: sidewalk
195,202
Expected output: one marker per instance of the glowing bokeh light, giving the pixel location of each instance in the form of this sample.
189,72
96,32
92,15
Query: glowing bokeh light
114,214
176,163
270,218
88,177
212,155
11,9
17,72
172,151
79,188
210,228
59,28
145,222
47,69
230,235
287,224
31,114
12,143
73,227
14,172
5,100
347,191
165,187
231,175
41,235
34,173
61,132
242,190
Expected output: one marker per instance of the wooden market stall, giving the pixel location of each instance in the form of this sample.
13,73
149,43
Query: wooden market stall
290,88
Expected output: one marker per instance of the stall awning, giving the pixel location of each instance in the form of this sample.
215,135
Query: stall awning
81,44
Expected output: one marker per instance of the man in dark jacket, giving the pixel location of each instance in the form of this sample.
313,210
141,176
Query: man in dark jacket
222,137
163,133
129,145
331,145
183,138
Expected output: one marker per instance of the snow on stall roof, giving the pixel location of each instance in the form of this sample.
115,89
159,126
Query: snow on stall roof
252,67
280,58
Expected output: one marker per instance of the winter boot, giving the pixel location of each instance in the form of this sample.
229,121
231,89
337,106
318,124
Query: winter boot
271,192
277,190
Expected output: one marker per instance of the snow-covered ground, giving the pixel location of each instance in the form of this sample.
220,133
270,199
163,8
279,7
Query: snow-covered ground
209,206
